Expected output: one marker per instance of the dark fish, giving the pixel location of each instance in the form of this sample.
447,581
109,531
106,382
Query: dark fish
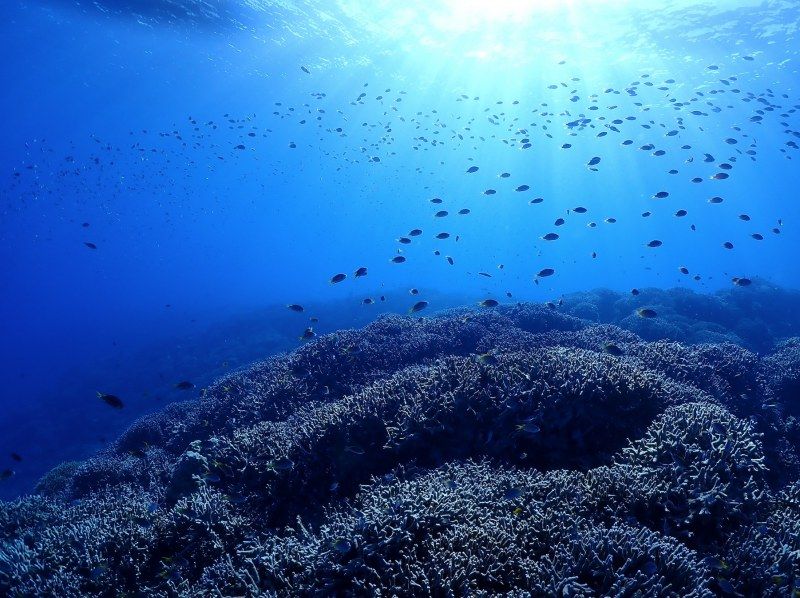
488,303
537,200
90,245
580,210
341,546
449,260
295,307
613,349
16,457
404,240
683,270
414,291
646,312
594,161
611,220
443,235
436,200
758,236
418,306
655,243
661,195
742,282
681,213
716,199
112,400
744,217
550,237
727,245
6,473
634,292
522,188
472,169
543,273
368,301
504,175
415,232
398,259
184,385
362,271
338,278
308,334
720,176
441,214
489,192
305,70
463,211
646,214
558,222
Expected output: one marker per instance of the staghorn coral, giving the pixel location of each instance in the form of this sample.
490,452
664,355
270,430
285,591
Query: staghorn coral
500,451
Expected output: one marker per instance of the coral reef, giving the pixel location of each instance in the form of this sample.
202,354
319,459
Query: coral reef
519,450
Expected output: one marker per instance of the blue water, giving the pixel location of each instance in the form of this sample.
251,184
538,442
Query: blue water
127,116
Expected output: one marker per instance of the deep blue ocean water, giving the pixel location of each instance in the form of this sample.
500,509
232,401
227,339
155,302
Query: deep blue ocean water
227,158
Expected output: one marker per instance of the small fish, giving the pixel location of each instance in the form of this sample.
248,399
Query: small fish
368,301
504,175
528,426
184,385
487,359
681,213
6,473
683,270
112,400
436,200
415,232
463,211
90,245
634,292
472,169
742,282
613,349
758,236
398,259
558,222
522,188
545,272
295,307
336,278
16,457
414,291
727,245
362,271
720,176
716,200
594,161
550,237
441,214
489,192
281,464
305,70
655,243
418,306
580,210
341,546
308,334
443,235
646,312
488,303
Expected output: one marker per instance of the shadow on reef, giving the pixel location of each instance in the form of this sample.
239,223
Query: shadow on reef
514,449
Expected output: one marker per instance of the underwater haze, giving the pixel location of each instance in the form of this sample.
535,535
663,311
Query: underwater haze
350,297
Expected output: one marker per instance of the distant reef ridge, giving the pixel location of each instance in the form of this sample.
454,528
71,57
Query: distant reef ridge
578,448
